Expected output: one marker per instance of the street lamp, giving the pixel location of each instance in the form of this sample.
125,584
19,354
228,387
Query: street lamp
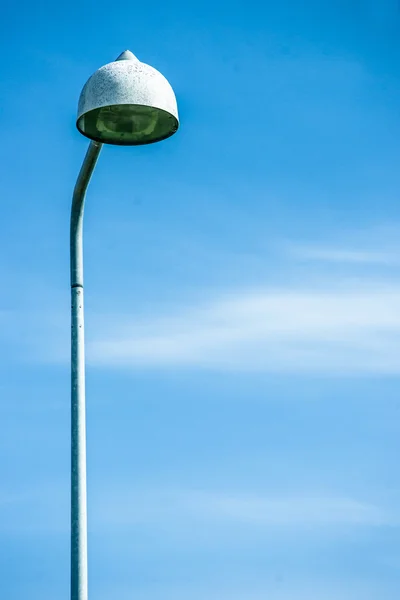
126,103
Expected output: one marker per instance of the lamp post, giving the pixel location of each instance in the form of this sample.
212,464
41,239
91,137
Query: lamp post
126,103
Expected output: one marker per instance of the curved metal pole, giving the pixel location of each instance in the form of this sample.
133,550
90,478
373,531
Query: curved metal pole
79,587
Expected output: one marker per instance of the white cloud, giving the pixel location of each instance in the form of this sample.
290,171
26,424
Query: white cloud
121,506
342,255
334,331
283,587
290,510
133,506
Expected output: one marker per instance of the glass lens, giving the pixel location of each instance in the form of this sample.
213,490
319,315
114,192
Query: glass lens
127,124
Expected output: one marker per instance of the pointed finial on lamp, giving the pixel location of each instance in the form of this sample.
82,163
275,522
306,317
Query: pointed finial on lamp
126,55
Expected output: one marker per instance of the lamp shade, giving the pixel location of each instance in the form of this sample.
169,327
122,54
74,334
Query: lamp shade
127,103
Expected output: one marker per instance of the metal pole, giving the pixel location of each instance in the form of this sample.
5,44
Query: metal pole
79,587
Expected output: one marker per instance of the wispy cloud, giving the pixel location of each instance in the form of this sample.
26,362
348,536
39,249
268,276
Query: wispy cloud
122,506
297,329
295,510
132,506
355,247
342,255
331,324
272,585
160,587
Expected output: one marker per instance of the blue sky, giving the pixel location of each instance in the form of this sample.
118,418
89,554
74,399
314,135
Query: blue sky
242,304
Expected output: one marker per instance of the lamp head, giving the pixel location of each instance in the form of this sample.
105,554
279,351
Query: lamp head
127,103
